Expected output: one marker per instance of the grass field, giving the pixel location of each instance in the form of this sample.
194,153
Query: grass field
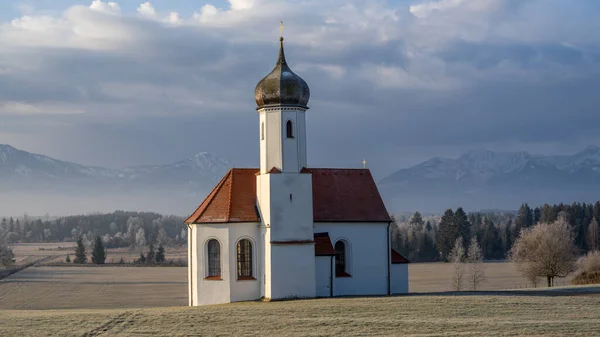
500,314
106,287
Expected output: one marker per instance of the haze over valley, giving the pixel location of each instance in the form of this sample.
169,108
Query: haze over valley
479,179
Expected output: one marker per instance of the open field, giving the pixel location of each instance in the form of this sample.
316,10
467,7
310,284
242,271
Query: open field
29,252
105,287
513,313
94,287
434,277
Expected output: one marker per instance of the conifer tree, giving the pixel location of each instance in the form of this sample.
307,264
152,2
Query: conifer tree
151,255
446,234
462,226
160,254
99,253
80,255
68,259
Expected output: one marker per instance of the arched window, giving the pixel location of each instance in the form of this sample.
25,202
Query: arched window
341,259
214,258
262,131
244,259
289,128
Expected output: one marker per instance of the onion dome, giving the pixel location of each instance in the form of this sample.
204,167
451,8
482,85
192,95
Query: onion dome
281,86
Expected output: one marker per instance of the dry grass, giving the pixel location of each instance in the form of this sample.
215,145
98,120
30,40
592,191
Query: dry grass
94,287
435,277
29,252
477,315
76,287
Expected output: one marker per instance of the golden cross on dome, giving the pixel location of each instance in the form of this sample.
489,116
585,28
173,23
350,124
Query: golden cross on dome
280,28
364,162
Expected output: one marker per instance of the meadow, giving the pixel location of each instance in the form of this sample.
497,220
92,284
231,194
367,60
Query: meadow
515,313
56,285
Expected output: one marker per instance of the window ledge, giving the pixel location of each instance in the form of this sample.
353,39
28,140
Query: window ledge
246,278
344,274
213,278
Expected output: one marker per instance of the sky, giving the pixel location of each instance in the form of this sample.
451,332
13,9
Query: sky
130,82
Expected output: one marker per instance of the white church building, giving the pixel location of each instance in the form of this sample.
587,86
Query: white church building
286,230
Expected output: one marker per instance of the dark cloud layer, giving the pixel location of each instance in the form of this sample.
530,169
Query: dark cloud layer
393,83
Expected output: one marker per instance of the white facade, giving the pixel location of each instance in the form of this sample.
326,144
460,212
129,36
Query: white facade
279,149
366,253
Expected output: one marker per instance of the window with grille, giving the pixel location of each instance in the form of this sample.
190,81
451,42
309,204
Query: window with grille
214,258
244,259
289,129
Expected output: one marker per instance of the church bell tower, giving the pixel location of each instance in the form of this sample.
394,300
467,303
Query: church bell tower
284,189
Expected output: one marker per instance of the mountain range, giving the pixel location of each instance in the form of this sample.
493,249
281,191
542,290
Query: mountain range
479,179
482,179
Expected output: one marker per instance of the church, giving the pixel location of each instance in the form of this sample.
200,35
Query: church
287,230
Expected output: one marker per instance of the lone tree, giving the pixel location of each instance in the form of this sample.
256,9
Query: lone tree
68,259
476,269
456,257
545,250
7,257
160,254
99,253
80,255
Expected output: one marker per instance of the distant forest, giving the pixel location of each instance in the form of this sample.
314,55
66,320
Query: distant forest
418,237
117,229
430,238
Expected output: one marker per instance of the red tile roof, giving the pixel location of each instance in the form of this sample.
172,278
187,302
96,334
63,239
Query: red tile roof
323,246
339,195
346,195
232,200
397,258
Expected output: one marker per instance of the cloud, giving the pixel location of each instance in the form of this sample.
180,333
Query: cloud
395,81
108,7
147,10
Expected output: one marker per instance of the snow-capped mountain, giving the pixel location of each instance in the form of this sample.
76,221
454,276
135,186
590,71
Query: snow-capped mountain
485,179
24,170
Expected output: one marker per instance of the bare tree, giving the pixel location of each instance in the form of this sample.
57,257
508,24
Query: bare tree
593,235
545,250
476,269
456,257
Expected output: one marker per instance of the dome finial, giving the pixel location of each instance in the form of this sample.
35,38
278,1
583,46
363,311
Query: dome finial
281,59
280,30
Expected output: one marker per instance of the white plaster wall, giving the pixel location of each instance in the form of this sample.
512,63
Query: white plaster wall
191,265
245,290
276,150
294,149
229,289
301,127
324,272
272,147
292,271
263,142
290,219
369,257
399,277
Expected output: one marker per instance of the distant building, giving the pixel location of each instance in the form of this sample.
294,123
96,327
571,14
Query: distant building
285,230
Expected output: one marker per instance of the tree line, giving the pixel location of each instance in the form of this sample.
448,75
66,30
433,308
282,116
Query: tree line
117,229
431,238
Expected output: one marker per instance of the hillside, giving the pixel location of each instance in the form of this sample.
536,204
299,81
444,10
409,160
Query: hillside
499,314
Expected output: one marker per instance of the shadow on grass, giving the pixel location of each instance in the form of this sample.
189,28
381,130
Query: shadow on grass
549,292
